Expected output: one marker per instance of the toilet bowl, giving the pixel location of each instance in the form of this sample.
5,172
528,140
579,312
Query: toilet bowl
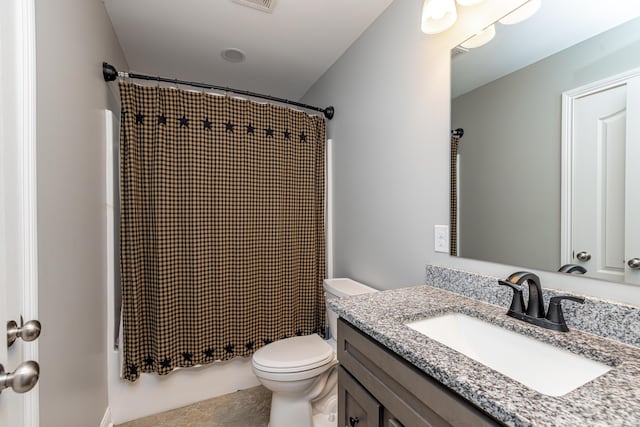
301,371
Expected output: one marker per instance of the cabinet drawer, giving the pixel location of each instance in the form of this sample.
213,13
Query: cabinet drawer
412,397
357,408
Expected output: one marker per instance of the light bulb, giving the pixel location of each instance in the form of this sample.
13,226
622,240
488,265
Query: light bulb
525,11
469,2
438,15
482,38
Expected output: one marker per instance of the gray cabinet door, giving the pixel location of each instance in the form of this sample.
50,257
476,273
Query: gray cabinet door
356,407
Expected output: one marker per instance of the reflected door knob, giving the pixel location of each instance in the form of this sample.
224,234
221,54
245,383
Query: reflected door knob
583,256
29,331
23,379
634,263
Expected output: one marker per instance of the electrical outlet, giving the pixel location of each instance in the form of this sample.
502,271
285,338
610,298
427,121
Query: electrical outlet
441,238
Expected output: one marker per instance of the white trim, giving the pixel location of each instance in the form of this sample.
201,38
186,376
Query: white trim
109,167
106,419
329,208
26,62
568,102
566,172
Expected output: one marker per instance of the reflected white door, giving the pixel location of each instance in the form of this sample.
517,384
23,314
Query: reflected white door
632,194
599,183
604,173
18,264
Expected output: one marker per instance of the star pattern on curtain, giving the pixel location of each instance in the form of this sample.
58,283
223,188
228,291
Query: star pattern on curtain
229,126
133,369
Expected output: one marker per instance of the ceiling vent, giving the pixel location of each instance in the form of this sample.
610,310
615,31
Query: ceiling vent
262,5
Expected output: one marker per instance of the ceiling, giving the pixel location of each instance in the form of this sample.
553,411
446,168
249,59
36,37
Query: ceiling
556,26
286,50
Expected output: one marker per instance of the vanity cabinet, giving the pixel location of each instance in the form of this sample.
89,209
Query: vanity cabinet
357,407
377,388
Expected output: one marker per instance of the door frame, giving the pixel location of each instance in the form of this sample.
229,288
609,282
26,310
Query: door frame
22,77
568,104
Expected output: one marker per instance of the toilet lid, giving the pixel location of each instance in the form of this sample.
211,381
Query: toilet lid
293,354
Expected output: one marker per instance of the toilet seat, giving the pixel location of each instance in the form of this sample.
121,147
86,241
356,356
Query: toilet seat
296,354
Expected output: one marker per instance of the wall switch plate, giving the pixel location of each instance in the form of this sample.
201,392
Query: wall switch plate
441,238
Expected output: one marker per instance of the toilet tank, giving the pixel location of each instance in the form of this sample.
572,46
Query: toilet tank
338,288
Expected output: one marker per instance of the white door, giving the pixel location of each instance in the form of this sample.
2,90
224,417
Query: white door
598,185
604,173
18,264
632,195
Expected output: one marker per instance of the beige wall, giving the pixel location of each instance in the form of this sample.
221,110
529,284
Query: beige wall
73,37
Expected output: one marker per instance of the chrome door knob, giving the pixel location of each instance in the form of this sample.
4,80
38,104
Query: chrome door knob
29,331
23,379
583,256
634,263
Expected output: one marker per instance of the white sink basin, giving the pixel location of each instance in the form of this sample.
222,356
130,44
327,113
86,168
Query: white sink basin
535,364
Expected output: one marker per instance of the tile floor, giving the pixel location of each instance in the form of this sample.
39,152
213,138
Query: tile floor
244,408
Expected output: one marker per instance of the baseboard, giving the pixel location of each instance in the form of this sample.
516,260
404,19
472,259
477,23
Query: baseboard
106,419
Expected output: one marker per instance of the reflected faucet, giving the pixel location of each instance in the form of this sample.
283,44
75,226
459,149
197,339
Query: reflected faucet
534,313
572,269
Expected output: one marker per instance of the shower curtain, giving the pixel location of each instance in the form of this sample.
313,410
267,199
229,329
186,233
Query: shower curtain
222,227
453,197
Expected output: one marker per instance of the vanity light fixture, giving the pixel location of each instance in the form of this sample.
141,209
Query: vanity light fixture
438,15
522,13
469,2
482,38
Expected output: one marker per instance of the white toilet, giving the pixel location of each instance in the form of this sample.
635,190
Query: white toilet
300,371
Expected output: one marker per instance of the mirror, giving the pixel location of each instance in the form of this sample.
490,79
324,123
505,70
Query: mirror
544,173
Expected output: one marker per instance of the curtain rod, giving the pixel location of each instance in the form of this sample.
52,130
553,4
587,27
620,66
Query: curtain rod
110,73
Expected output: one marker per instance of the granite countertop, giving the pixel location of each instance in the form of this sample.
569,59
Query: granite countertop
612,399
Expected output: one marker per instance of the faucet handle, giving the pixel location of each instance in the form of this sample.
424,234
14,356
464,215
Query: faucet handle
517,303
554,314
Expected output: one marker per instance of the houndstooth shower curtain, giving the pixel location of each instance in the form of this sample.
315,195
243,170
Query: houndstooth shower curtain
453,197
222,227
